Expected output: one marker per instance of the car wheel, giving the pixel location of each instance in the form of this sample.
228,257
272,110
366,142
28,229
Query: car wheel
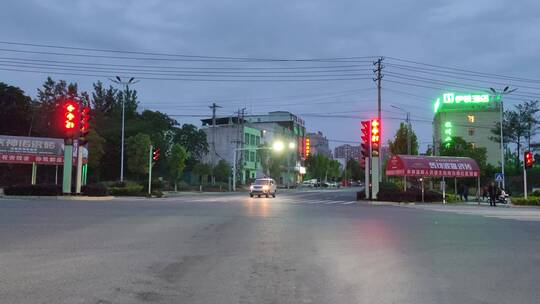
267,195
274,194
250,195
258,195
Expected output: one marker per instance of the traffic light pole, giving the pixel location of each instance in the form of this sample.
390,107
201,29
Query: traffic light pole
78,180
150,170
68,155
524,179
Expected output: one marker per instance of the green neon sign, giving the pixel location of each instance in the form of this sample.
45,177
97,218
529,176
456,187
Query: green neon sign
469,98
447,132
454,101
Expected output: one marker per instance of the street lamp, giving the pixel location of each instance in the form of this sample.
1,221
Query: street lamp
277,146
505,91
119,80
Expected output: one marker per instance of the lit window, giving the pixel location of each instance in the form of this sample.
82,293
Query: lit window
470,118
471,132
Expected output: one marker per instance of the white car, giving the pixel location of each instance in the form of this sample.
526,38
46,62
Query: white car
263,186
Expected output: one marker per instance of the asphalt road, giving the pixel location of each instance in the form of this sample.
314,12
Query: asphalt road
309,247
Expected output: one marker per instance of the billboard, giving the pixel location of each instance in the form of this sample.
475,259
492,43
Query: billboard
42,150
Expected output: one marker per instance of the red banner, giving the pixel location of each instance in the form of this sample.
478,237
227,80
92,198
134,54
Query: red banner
432,166
41,150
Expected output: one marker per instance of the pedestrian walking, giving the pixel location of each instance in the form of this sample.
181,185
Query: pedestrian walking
466,192
493,192
485,193
460,192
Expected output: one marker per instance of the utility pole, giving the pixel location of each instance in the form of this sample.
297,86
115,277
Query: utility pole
214,107
378,77
238,144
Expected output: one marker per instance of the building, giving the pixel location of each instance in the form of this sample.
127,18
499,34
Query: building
247,134
226,136
469,116
319,144
348,152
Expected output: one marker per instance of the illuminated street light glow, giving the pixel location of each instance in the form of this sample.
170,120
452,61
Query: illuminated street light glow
292,145
278,146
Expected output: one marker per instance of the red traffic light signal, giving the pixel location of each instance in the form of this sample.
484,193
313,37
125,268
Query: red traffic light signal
70,113
84,126
529,159
155,154
366,131
375,137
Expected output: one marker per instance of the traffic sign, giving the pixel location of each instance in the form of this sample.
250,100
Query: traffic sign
499,177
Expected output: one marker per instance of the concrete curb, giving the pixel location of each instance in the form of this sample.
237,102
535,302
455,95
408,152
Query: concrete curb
60,198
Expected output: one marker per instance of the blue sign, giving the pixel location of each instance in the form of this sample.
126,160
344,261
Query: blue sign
499,177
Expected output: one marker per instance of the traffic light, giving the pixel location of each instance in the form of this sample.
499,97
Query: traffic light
84,126
375,137
70,113
366,131
307,147
155,154
529,159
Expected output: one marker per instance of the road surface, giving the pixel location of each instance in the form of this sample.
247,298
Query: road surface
301,247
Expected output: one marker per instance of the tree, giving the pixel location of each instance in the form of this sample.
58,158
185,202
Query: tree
103,100
17,111
96,150
333,169
222,171
202,170
459,147
177,163
317,166
353,170
399,145
137,153
192,139
519,125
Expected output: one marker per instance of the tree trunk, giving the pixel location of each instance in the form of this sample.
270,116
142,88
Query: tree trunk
175,186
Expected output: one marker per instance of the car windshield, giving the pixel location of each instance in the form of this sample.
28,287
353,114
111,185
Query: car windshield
262,182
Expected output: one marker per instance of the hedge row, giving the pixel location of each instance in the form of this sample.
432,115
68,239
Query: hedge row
34,190
531,201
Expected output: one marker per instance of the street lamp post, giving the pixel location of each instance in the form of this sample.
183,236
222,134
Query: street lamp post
505,91
126,84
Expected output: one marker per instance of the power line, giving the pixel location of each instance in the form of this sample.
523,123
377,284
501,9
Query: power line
40,71
201,58
466,71
182,55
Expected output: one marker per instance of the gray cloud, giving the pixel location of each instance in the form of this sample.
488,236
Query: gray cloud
490,36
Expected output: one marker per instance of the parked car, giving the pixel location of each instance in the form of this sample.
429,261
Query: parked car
307,184
263,186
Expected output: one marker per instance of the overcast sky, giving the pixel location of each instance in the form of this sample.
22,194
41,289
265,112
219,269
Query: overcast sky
494,37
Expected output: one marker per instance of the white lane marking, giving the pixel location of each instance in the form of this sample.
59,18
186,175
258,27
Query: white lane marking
316,202
349,203
335,202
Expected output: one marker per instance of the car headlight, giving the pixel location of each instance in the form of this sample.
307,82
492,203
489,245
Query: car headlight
265,187
251,188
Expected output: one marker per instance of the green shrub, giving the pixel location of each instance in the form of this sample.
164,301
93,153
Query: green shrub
95,190
36,190
535,193
531,201
129,189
